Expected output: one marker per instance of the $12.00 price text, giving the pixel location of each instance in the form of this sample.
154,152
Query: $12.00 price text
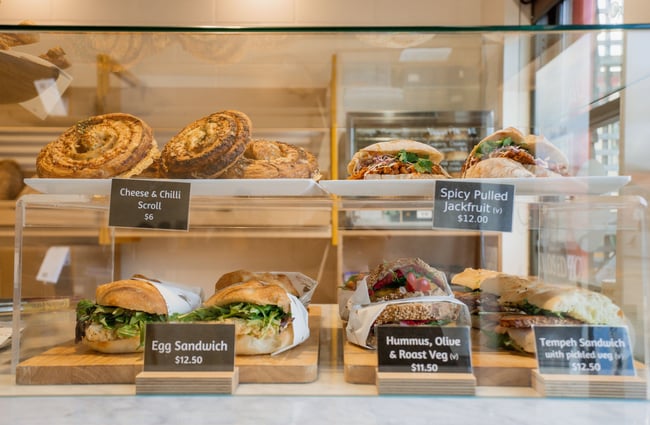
467,218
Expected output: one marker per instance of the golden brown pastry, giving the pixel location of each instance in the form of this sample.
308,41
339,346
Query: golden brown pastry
207,147
56,56
8,40
11,179
103,146
266,159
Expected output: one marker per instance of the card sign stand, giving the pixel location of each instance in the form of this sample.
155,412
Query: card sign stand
585,361
434,361
187,382
588,386
188,358
421,383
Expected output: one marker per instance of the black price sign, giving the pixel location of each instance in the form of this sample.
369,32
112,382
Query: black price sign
154,204
473,205
423,349
584,350
173,347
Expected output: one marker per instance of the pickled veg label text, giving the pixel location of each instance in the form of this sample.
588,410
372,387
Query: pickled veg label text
155,204
427,349
584,350
473,205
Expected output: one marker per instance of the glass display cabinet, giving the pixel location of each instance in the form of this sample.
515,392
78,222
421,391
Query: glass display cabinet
584,231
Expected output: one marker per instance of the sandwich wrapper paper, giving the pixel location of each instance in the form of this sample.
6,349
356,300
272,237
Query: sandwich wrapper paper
300,323
362,317
302,283
179,298
360,296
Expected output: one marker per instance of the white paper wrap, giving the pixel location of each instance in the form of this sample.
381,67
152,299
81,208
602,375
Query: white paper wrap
362,318
179,298
360,296
300,324
302,283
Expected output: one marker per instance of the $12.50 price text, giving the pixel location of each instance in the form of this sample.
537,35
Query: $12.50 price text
188,360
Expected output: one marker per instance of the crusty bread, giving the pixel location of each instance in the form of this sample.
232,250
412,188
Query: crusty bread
241,275
393,147
11,179
133,295
260,293
497,168
246,344
472,278
254,292
550,161
506,286
579,303
116,346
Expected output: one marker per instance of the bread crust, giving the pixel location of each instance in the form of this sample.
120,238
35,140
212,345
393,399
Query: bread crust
241,275
250,345
534,156
393,147
11,179
473,278
260,293
252,291
579,303
131,294
116,346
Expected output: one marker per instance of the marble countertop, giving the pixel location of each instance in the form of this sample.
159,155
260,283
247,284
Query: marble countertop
328,400
317,410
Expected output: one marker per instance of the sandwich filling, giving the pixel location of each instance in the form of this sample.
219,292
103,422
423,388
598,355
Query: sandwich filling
255,320
105,323
394,164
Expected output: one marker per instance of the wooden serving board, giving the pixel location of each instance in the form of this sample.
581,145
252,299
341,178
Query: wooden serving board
76,364
491,368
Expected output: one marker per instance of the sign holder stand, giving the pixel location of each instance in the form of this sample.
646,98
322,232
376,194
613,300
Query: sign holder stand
425,383
592,386
187,382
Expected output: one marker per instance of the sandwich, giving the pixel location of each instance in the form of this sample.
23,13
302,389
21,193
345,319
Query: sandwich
116,321
424,311
508,153
541,303
466,287
405,278
263,315
397,159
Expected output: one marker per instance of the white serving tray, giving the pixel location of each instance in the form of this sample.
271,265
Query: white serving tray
523,186
199,187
